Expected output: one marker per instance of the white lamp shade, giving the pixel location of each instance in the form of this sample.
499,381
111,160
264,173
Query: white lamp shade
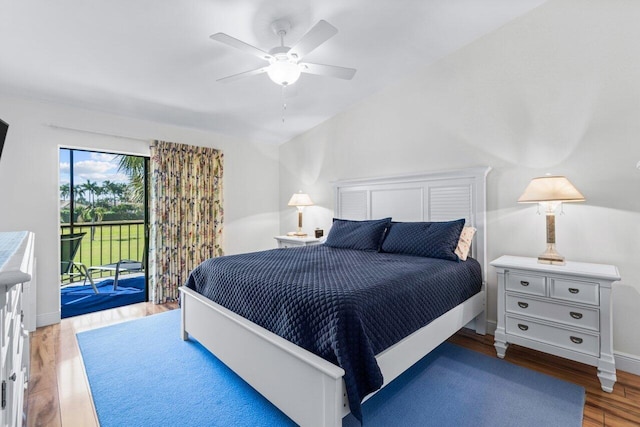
550,189
300,199
284,73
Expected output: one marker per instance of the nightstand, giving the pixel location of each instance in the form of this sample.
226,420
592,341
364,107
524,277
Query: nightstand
563,310
293,241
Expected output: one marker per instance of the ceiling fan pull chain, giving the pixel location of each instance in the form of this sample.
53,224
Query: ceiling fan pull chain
284,104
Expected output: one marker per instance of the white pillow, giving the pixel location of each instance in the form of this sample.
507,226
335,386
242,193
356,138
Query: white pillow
464,244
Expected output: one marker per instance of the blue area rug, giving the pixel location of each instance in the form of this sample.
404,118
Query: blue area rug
142,374
77,300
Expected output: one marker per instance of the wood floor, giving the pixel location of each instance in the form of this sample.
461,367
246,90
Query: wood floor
58,393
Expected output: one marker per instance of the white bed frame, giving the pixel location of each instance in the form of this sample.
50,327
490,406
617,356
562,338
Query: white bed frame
304,386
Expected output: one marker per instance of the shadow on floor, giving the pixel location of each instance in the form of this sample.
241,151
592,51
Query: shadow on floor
77,300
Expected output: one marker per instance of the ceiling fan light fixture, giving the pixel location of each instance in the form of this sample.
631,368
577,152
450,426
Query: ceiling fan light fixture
284,73
284,62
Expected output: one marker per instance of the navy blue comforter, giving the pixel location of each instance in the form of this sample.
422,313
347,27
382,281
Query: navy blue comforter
344,305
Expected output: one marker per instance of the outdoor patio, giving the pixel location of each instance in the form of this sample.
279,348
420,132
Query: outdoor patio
81,299
101,247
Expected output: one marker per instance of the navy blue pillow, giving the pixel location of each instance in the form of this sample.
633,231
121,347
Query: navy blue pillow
361,235
426,239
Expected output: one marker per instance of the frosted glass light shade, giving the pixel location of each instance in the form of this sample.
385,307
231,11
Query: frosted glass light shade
550,189
284,73
300,199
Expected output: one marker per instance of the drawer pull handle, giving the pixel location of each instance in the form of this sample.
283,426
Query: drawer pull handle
523,304
575,315
524,283
574,290
525,327
576,340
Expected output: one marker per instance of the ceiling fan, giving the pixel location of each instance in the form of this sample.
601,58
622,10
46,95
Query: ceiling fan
284,62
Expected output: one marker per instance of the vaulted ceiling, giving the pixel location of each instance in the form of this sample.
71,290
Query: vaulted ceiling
154,60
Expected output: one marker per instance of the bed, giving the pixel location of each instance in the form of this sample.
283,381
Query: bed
307,387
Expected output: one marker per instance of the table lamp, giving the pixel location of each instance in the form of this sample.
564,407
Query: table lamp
299,200
550,192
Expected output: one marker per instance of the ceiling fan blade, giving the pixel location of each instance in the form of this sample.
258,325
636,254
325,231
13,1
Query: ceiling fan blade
328,70
318,34
238,76
239,44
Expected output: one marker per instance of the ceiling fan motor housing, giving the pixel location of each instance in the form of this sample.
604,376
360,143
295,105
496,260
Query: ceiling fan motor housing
281,27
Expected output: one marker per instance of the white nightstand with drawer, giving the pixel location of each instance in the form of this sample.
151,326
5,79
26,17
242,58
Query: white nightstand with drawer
293,241
562,310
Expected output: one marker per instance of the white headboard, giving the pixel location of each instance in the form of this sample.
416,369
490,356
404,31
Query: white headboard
429,196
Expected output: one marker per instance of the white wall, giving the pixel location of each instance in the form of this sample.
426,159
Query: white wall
29,192
558,91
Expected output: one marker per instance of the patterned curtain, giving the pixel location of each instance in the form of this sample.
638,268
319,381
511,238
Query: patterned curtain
186,214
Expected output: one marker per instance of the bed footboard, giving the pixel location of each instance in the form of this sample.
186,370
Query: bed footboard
307,388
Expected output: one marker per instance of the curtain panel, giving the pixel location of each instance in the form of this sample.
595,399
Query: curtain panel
186,214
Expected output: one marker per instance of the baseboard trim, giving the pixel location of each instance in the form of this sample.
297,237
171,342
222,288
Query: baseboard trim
627,362
46,319
491,326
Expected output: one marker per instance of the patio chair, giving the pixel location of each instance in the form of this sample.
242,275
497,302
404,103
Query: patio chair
122,266
69,245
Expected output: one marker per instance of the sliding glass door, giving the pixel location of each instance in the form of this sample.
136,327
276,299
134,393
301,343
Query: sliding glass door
103,220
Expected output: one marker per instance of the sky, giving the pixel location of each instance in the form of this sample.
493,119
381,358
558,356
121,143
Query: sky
97,167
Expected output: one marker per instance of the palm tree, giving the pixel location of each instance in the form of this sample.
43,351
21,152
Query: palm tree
121,190
111,188
65,191
78,194
99,192
133,167
93,189
92,214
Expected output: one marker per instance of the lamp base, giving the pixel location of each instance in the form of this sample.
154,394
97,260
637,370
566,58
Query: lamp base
297,234
551,256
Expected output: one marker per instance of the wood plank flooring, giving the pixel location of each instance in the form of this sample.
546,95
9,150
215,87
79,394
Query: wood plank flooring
59,395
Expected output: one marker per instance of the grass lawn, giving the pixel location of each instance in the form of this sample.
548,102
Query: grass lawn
110,244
